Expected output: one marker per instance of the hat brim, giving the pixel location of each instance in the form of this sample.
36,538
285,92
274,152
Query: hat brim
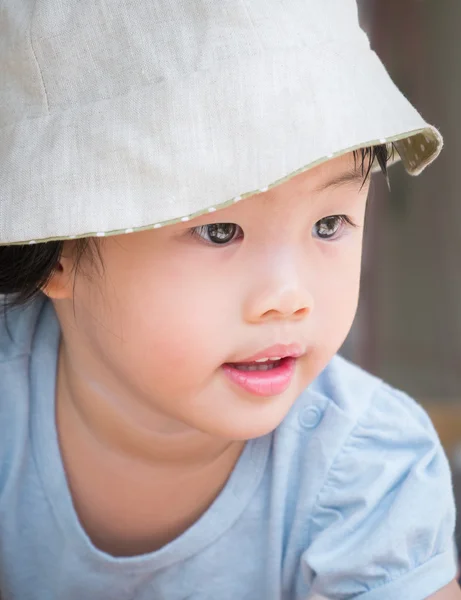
173,151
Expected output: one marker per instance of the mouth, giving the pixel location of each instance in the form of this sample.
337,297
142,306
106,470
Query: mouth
262,364
262,377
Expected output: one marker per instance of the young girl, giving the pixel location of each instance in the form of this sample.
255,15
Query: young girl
182,197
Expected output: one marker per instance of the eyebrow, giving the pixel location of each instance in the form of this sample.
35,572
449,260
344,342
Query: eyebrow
351,177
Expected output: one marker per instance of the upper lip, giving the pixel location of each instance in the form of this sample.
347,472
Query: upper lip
277,351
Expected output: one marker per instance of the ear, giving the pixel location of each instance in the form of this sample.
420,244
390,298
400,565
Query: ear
60,285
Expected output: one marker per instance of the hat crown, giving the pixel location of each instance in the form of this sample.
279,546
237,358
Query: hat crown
73,53
122,115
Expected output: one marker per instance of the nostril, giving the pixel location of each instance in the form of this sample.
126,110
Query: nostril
301,312
271,314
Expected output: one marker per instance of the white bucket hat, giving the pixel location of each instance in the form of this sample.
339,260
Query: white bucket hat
125,115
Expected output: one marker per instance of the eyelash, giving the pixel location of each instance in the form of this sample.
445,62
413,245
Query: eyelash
196,232
344,221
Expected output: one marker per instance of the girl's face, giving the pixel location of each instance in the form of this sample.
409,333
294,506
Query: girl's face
175,310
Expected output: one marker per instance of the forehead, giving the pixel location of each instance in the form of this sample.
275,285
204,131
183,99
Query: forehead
339,176
338,172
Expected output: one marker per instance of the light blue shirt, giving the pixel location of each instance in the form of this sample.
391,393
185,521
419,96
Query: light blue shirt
350,497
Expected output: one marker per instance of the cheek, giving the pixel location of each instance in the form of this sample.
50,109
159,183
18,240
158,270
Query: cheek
168,312
337,291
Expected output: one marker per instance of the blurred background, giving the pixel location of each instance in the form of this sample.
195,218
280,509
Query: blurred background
408,327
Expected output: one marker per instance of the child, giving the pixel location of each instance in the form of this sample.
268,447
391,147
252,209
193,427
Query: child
174,423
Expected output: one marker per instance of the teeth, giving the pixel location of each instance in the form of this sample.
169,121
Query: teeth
259,365
263,360
254,367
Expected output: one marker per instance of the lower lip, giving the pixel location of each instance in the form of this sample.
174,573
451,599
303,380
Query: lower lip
264,383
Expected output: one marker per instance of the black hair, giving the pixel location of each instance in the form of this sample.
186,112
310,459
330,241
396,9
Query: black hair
26,269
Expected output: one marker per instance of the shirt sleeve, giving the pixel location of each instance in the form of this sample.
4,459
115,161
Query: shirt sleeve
383,523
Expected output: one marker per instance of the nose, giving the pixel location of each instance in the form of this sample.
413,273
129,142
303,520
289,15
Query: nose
282,295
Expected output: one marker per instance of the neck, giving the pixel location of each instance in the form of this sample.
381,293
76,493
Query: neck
106,415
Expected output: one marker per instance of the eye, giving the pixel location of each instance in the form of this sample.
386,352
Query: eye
329,227
218,233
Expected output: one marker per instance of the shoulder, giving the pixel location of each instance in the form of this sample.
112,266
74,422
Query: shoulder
325,416
18,329
377,509
376,416
388,444
345,404
359,395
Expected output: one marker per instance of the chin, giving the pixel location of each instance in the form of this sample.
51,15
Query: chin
257,421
